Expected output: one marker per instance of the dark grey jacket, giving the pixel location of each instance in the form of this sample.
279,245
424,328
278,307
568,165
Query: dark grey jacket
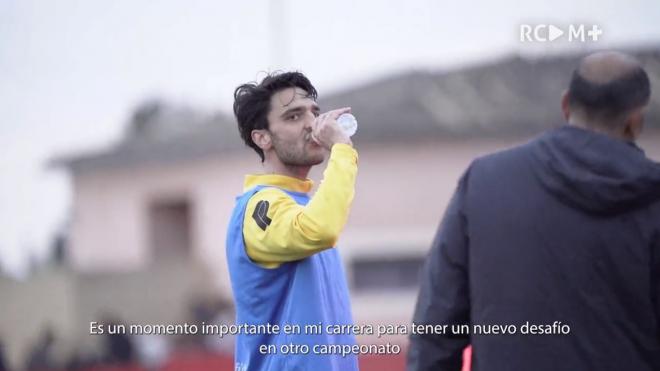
564,228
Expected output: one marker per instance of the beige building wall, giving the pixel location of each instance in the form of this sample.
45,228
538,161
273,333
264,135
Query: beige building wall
47,299
110,226
67,302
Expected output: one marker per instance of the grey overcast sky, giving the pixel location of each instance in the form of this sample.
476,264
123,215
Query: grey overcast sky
71,71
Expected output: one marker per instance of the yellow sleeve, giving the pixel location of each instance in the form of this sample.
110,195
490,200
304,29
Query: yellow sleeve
276,229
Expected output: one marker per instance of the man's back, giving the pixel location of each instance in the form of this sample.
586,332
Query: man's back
565,228
558,238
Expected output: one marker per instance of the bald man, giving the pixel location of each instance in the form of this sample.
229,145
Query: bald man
558,239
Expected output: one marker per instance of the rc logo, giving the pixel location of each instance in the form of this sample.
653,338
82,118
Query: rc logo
550,32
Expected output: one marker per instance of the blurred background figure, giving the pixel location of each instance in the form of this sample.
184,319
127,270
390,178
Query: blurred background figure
41,357
79,360
152,351
3,361
118,347
223,314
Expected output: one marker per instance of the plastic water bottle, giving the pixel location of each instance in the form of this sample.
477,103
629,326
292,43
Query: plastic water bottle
347,123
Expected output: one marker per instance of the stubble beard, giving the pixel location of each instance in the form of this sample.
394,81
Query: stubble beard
292,155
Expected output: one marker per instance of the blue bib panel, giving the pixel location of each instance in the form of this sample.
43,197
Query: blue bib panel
310,291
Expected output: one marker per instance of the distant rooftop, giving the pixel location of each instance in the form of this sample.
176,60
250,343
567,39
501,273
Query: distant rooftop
512,96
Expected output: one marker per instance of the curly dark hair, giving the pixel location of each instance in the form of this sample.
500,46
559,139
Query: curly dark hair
252,102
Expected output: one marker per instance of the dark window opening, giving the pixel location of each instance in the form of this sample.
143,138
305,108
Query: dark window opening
170,228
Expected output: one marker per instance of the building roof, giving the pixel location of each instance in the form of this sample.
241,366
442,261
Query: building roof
511,96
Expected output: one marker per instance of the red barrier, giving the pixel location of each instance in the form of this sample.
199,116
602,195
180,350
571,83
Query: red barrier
199,361
203,361
383,363
127,367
